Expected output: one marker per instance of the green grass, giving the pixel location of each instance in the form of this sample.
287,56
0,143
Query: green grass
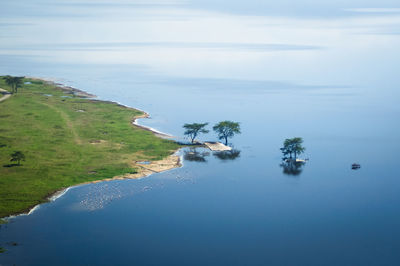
66,141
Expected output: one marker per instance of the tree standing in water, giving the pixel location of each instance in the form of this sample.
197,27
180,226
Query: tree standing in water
227,129
292,147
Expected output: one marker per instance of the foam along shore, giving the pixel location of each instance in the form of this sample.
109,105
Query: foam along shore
154,131
65,88
112,143
83,94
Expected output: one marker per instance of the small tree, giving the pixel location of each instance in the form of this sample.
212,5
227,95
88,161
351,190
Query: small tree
17,156
226,129
286,149
292,147
14,82
192,130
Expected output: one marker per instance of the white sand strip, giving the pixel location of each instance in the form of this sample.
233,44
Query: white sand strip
217,146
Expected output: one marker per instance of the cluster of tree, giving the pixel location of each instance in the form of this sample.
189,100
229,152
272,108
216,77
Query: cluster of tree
14,83
224,130
227,129
292,147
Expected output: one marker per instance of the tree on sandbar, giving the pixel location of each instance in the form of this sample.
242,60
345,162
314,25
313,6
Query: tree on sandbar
226,129
193,130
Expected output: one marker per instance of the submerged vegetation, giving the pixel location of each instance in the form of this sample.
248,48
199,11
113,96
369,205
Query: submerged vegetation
65,140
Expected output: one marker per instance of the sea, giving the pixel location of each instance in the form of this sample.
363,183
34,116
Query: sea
327,72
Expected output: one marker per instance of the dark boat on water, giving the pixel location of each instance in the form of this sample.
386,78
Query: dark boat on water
355,166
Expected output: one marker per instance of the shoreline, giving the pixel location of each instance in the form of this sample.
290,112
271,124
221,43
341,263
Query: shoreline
143,174
66,88
154,131
85,94
169,163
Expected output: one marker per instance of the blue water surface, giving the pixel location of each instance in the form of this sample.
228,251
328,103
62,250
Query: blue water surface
326,72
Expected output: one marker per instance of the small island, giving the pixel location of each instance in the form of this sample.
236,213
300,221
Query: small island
53,137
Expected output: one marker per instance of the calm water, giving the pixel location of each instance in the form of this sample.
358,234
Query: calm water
324,72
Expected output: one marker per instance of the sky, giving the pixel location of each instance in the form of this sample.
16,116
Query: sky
335,43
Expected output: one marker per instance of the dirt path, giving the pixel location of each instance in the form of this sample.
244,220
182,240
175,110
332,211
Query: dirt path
6,96
62,114
68,122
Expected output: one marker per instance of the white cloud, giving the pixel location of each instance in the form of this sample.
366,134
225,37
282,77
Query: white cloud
373,10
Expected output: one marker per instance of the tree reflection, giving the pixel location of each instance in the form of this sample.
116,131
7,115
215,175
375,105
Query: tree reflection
194,156
292,167
227,155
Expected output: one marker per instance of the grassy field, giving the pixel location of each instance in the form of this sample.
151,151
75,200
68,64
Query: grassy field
66,140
